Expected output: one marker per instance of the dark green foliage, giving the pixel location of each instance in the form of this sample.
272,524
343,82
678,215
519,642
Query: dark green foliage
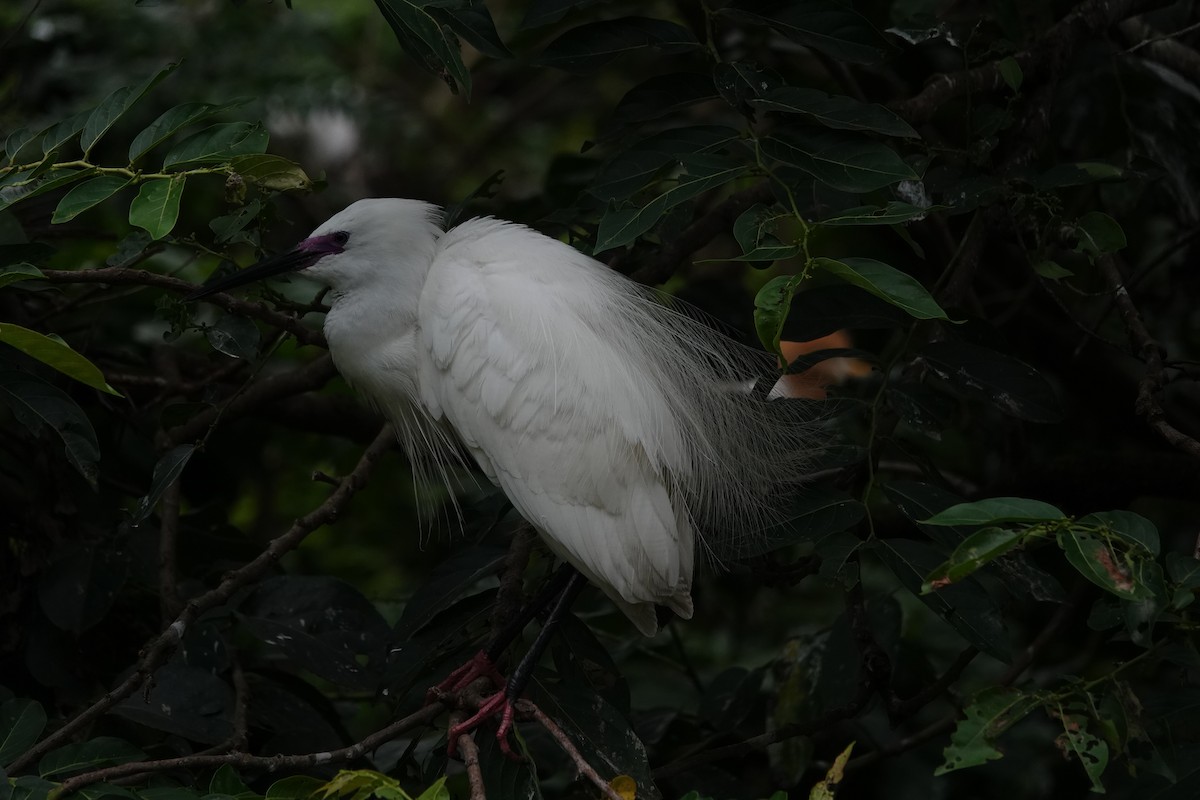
988,584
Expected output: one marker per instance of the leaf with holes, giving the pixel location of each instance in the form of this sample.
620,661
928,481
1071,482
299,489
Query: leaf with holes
1127,574
973,553
1077,740
990,713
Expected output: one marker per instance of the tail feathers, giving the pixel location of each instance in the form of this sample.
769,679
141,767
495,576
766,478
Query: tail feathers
643,616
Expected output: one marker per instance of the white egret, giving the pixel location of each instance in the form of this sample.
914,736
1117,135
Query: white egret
609,418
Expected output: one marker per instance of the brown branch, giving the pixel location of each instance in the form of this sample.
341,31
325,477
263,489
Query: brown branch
560,736
159,649
311,376
117,276
510,596
1150,387
903,709
1160,48
247,761
470,756
699,233
168,566
1086,21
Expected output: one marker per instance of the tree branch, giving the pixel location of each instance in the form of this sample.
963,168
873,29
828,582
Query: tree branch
1086,21
120,276
1150,387
159,649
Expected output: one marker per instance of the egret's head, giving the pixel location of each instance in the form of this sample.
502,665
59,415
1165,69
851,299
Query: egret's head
365,241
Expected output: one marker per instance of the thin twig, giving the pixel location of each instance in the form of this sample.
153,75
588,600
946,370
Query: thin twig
115,276
159,649
572,752
470,755
168,538
247,761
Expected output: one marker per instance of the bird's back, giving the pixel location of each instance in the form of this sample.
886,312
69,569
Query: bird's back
606,417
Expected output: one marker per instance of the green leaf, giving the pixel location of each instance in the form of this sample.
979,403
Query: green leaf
990,714
830,26
271,172
995,510
976,550
887,283
547,12
102,751
835,111
61,133
1052,270
56,354
294,787
166,471
156,207
423,39
1075,739
19,272
234,336
1010,385
846,162
114,106
55,179
1133,528
813,515
436,791
588,47
1125,574
619,227
21,723
741,82
86,195
36,404
657,97
966,605
771,307
1010,70
77,591
171,122
16,141
1099,233
471,20
894,213
1079,173
220,142
226,781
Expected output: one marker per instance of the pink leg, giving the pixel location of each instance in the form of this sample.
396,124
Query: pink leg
496,704
480,666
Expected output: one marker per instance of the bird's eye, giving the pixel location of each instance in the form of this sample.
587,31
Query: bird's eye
341,237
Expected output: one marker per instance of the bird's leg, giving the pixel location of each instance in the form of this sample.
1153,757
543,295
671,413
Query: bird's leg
502,702
483,663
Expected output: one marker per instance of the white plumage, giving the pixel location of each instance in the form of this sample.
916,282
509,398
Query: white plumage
605,416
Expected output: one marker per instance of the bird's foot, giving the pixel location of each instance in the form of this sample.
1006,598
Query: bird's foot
498,704
480,666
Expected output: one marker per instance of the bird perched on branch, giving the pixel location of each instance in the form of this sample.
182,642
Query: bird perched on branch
611,419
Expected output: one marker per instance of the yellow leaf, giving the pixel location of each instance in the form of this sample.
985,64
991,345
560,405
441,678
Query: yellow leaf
624,786
826,789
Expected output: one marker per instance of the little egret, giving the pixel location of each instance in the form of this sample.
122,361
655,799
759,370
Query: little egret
614,421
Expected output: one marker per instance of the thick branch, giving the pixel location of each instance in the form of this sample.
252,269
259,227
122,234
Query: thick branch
1150,387
158,650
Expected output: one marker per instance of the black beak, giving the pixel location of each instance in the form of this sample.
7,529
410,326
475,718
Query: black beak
290,261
